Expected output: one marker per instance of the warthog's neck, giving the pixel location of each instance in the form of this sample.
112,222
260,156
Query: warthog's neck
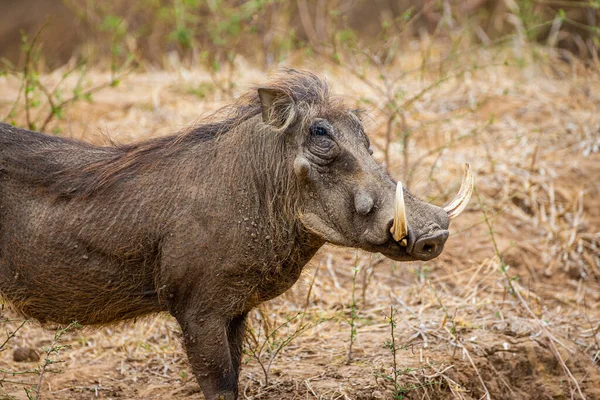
254,186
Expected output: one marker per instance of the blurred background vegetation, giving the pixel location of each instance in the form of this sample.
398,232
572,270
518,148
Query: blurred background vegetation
369,39
215,32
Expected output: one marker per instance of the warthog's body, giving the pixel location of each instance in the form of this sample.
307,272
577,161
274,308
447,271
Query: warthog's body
205,225
100,256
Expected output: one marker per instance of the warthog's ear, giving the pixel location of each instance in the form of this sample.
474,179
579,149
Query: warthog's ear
277,107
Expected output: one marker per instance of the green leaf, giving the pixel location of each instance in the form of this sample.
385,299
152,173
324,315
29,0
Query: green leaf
183,36
111,23
57,112
346,36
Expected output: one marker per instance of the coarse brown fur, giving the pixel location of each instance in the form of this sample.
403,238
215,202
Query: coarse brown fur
205,224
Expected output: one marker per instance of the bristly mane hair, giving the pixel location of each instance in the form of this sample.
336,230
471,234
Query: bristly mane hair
102,167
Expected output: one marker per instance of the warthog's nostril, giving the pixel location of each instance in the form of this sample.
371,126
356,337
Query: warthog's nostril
430,246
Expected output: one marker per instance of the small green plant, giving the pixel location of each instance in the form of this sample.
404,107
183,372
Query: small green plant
34,392
398,390
11,377
264,343
353,310
12,334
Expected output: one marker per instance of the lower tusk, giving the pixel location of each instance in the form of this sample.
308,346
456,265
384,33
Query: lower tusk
399,228
464,195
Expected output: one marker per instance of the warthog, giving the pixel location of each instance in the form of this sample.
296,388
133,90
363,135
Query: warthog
205,224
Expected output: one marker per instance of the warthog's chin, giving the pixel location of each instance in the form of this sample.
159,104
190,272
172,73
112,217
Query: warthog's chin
391,250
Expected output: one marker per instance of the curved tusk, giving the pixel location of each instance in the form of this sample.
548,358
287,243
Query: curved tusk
464,195
399,228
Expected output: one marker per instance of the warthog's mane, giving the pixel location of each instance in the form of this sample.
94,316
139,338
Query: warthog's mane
73,169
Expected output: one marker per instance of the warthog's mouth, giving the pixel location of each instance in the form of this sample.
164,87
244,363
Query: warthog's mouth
422,248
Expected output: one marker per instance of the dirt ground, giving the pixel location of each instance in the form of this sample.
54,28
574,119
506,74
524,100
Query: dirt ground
510,310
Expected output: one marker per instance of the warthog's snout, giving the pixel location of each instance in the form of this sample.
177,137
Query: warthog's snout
419,230
425,235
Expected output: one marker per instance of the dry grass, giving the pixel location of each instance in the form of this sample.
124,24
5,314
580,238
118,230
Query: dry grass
510,310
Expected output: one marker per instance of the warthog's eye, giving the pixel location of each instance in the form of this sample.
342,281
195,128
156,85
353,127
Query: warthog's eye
321,142
319,130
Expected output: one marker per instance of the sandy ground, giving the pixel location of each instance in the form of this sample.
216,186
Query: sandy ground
463,328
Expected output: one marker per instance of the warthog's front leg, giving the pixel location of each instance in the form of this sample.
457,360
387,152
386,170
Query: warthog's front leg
207,310
207,345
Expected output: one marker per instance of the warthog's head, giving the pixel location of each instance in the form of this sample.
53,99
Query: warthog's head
346,198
